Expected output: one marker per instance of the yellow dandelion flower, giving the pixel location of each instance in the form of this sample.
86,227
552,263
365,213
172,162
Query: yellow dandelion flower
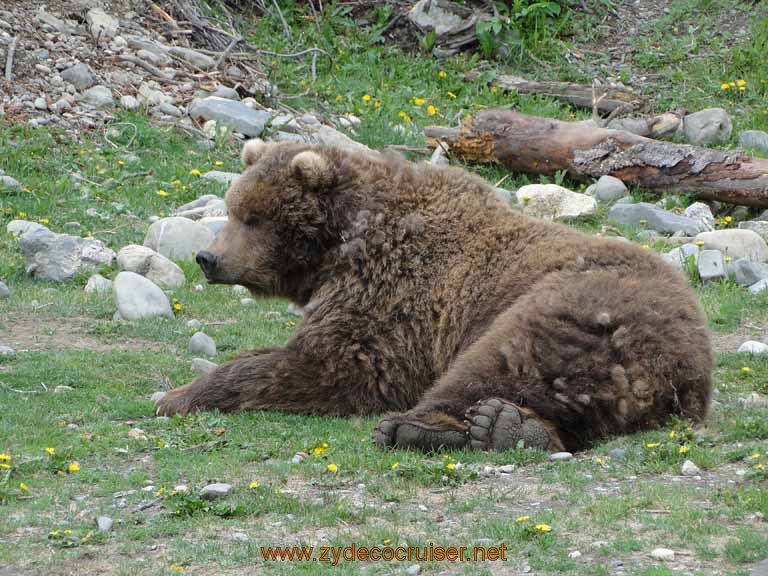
339,98
601,461
160,444
73,467
432,110
450,466
522,519
53,533
672,434
404,116
755,456
121,162
178,306
699,243
162,193
333,468
419,101
50,451
653,445
526,198
218,163
176,183
195,172
253,485
728,219
724,86
741,83
4,466
746,369
442,74
366,98
23,487
646,247
728,258
395,466
543,528
732,84
5,457
43,220
319,451
67,532
185,187
160,492
742,88
176,568
683,450
451,95
387,541
377,104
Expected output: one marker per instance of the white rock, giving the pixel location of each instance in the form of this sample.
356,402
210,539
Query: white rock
755,400
237,289
236,115
101,24
203,366
41,103
227,178
157,396
176,237
701,212
440,155
413,570
7,351
5,292
194,323
609,189
663,554
137,297
59,257
247,301
553,202
98,96
711,266
214,491
197,59
759,287
560,456
201,343
574,554
97,284
690,469
148,263
710,126
104,523
129,102
736,243
753,347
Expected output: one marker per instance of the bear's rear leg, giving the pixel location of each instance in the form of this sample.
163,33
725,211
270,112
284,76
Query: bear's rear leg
491,424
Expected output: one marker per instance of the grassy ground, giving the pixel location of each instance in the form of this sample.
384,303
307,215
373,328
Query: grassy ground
612,510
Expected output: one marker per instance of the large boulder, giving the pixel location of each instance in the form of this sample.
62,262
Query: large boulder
150,264
553,202
735,243
137,297
710,126
59,257
754,140
231,113
758,226
654,218
178,238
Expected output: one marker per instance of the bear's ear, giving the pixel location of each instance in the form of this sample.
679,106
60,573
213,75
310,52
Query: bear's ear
311,168
252,150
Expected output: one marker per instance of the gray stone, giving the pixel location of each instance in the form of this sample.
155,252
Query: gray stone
701,213
215,209
609,189
553,202
101,24
201,343
753,347
97,284
294,310
137,297
560,456
759,287
157,396
231,113
227,178
663,554
178,238
149,96
148,263
747,273
197,203
41,103
215,491
327,136
203,366
247,301
618,454
709,126
98,96
240,537
757,226
754,400
655,218
61,105
226,92
413,570
129,102
736,243
680,257
237,289
59,257
49,19
170,110
7,351
690,469
154,58
711,266
214,224
79,75
197,59
8,182
761,569
194,323
5,292
104,523
754,140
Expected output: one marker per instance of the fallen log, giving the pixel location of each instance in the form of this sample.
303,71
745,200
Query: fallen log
612,96
544,146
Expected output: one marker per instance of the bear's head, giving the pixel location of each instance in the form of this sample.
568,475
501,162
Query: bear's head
280,220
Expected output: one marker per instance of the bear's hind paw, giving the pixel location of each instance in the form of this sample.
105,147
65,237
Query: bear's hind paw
402,431
496,424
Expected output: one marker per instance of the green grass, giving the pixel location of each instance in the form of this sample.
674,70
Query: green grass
607,508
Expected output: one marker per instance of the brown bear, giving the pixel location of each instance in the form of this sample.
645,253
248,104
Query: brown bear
426,294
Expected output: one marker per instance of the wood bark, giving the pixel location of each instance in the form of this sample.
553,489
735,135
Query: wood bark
544,146
609,97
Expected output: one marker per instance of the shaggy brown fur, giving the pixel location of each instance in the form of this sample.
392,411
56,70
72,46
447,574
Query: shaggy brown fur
425,293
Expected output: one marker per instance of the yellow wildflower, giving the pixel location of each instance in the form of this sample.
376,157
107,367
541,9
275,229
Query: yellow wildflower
121,162
387,541
162,193
419,101
185,187
319,450
543,527
377,104
218,163
161,492
755,456
43,220
338,98
450,466
728,219
653,445
683,450
366,98
176,182
526,198
4,466
74,467
23,487
672,434
451,95
50,451
432,110
522,519
5,457
646,247
405,117
442,74
67,532
732,84
728,258
160,444
746,369
724,86
195,172
253,485
699,243
333,468
176,568
178,306
741,83
395,466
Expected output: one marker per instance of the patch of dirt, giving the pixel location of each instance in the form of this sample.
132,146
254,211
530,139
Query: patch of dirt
30,333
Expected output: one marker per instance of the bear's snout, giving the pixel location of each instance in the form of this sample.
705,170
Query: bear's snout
208,262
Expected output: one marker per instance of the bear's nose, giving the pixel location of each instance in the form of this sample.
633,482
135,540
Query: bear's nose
207,261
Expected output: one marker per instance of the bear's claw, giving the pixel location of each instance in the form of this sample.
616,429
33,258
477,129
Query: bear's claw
496,424
404,432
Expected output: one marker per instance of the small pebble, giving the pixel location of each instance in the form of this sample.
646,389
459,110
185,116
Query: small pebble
61,389
104,523
7,351
237,289
194,323
201,343
618,454
506,469
298,458
690,469
214,491
560,456
5,292
157,396
413,570
181,488
199,288
240,537
663,554
574,554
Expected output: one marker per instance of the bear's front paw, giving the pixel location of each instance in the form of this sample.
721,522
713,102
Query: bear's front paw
427,432
174,402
